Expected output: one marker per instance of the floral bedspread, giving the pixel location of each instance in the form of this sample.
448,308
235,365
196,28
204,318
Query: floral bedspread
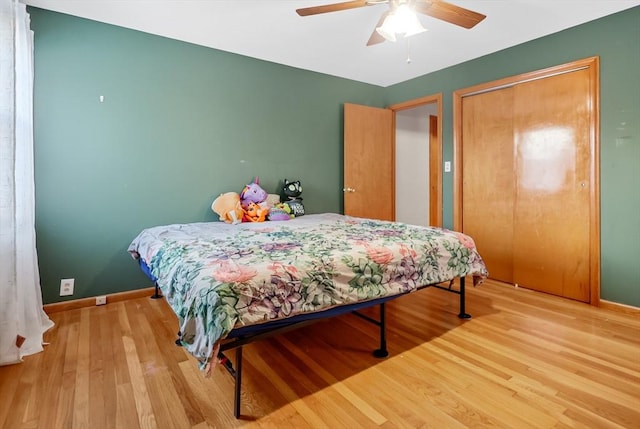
216,276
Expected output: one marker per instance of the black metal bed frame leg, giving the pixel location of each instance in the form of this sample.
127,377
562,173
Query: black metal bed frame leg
382,351
238,384
156,293
379,353
463,314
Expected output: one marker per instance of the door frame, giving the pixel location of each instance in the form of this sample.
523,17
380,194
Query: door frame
435,153
593,65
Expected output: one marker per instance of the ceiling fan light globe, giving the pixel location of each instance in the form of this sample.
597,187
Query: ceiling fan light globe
388,28
414,27
403,17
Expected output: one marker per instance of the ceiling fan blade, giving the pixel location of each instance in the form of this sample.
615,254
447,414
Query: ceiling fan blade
335,7
449,12
375,36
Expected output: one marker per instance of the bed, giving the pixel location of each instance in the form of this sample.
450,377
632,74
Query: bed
232,284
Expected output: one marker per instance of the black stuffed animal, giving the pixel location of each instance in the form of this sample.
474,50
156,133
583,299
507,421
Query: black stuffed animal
292,191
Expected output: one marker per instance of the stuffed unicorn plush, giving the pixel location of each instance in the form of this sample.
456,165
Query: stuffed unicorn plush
253,193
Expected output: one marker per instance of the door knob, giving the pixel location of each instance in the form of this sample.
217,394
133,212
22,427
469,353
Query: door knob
348,190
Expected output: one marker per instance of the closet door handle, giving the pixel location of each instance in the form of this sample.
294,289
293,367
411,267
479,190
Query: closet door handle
348,190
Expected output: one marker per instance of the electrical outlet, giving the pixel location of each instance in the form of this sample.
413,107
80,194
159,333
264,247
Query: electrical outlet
66,287
447,166
101,300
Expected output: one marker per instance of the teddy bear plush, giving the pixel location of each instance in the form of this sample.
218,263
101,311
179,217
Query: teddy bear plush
228,207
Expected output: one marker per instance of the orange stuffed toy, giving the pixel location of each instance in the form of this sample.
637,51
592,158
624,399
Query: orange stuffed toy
255,213
228,207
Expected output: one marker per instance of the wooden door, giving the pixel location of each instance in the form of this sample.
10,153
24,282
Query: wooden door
527,168
488,190
369,178
551,212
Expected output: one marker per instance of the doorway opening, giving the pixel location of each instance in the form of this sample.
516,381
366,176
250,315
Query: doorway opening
418,161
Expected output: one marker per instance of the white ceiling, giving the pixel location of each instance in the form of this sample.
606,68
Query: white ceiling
335,43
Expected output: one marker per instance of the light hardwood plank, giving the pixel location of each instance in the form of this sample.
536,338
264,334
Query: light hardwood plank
83,373
145,412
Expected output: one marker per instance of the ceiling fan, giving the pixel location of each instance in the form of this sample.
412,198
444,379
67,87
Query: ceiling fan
435,8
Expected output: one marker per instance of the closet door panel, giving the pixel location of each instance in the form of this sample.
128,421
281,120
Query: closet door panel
488,177
551,217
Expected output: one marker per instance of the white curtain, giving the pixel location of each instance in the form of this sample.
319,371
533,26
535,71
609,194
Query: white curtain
22,319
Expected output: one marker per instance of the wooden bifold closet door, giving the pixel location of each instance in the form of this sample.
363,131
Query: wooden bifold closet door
526,181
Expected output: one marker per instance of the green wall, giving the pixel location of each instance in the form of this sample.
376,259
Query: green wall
616,40
181,123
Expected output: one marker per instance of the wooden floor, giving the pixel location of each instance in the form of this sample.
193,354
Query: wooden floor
525,360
